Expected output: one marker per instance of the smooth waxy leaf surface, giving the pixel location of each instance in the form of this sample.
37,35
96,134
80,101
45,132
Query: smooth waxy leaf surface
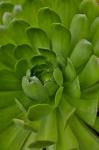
81,53
79,27
47,134
90,73
38,38
46,17
58,76
82,131
61,40
38,111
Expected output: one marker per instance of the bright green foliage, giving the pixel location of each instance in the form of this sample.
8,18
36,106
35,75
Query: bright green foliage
49,75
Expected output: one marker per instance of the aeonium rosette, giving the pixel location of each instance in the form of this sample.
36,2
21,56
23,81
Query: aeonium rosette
49,76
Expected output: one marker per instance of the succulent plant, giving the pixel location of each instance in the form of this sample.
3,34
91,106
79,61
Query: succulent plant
49,75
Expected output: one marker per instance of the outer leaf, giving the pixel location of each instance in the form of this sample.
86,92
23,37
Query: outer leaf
7,97
66,10
94,26
90,74
6,116
18,37
73,88
81,53
79,28
38,111
7,55
91,92
61,143
23,51
66,109
20,106
47,134
27,125
30,139
87,6
4,34
71,140
9,81
46,17
86,109
61,40
82,132
96,48
16,141
21,67
38,38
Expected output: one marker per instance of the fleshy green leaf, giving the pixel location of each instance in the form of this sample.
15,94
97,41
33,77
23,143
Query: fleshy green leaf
27,125
47,134
23,51
87,140
96,48
94,26
66,10
46,17
66,109
4,34
86,109
20,106
79,28
15,141
6,116
90,74
51,86
58,96
9,81
21,67
90,8
34,89
69,71
38,38
7,97
58,76
71,140
61,40
38,60
73,88
30,139
81,53
62,135
91,92
50,55
20,26
38,111
7,55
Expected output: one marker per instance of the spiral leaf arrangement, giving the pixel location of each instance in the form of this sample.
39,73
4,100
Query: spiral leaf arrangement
49,75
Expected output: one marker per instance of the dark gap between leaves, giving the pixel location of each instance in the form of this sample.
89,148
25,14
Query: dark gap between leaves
94,131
